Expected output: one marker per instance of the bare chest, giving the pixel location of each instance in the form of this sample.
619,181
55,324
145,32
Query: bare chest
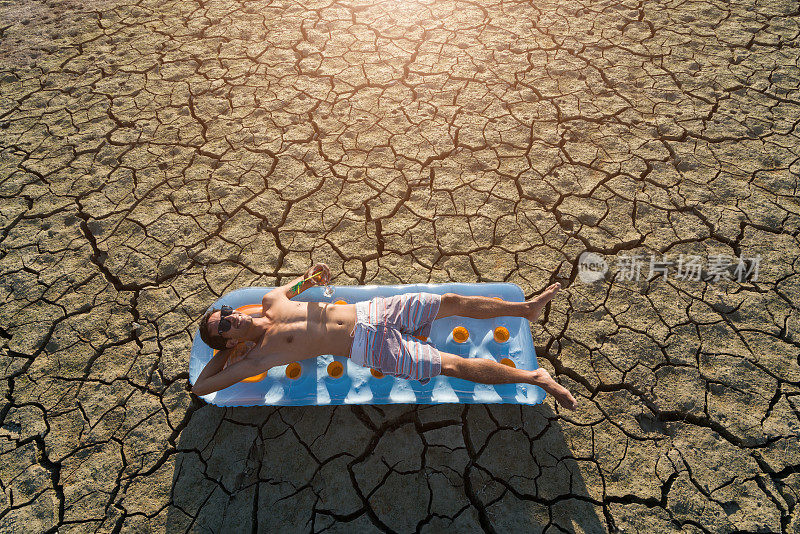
302,330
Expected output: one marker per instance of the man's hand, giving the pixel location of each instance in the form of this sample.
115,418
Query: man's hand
320,274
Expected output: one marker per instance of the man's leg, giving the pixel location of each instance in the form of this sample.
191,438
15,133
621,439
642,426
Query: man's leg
487,307
485,371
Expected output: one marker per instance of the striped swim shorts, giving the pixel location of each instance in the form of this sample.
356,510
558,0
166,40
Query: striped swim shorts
384,336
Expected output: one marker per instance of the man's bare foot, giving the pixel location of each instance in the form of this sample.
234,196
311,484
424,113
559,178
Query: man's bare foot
545,381
537,303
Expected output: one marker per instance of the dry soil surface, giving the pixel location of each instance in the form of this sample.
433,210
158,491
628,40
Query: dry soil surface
157,154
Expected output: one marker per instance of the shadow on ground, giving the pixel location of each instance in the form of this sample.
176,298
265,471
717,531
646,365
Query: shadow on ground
391,468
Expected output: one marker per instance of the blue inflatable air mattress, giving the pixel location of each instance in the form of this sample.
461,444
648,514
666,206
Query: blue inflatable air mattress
357,385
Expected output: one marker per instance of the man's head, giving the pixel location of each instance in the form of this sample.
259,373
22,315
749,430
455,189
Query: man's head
224,328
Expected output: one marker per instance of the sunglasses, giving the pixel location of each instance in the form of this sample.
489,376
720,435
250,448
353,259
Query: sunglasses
224,322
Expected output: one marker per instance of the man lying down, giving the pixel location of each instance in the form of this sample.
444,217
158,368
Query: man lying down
379,333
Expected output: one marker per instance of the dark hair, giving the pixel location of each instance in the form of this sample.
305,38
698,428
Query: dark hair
215,341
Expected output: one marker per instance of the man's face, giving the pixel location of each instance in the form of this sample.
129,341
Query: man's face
229,324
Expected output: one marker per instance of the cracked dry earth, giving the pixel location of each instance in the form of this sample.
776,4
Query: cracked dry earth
158,154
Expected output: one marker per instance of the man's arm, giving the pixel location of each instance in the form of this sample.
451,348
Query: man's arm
292,289
296,286
236,372
320,272
214,366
